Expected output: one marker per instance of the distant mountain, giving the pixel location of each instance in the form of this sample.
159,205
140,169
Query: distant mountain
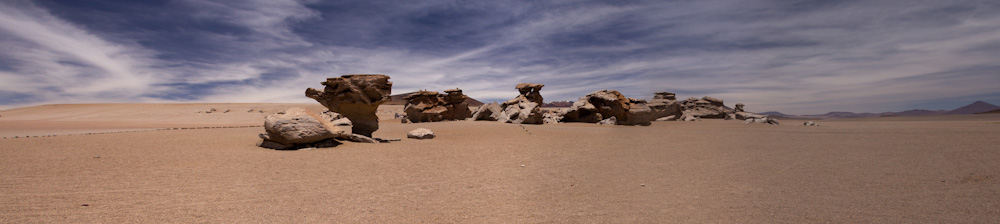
398,100
915,113
976,107
775,113
558,104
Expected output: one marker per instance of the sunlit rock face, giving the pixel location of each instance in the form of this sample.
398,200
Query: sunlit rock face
357,97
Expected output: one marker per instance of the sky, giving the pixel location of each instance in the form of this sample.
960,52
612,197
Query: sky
796,57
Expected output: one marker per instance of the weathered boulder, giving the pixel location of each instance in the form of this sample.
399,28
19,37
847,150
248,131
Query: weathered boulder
427,106
609,121
604,104
335,118
357,97
523,109
764,120
553,117
488,112
706,107
739,107
420,133
297,127
664,104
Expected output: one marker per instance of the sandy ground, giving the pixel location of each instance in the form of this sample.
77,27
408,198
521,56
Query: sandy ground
941,169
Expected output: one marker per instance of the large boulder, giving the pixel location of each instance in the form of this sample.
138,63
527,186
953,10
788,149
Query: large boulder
523,109
604,104
357,97
487,112
296,127
664,104
427,106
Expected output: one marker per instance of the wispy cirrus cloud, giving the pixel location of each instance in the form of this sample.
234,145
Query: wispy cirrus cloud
791,56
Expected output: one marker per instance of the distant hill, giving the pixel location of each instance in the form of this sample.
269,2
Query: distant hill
915,113
991,112
558,104
398,100
976,107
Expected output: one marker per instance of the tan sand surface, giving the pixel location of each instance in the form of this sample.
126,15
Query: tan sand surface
941,169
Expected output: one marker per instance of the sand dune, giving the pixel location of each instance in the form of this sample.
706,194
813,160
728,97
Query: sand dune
941,169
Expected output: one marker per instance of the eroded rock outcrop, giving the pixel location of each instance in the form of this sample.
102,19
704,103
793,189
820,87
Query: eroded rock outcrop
706,107
357,97
428,106
604,104
523,109
665,106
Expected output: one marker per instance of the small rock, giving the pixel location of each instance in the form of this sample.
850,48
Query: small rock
97,157
810,123
85,205
421,133
522,165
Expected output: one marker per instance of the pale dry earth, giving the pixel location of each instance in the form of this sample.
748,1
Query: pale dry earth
940,169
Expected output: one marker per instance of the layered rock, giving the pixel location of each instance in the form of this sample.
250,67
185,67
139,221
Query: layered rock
706,107
427,106
357,97
523,109
297,127
665,106
604,104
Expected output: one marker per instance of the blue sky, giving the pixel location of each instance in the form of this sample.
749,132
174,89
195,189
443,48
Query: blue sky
797,57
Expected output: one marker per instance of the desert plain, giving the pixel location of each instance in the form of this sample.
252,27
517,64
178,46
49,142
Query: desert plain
151,163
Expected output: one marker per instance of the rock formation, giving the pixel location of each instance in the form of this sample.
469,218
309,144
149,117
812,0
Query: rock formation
664,104
357,97
706,107
604,104
296,128
523,109
427,106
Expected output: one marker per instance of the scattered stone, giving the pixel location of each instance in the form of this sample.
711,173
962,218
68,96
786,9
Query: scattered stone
226,111
357,97
763,120
420,133
428,106
359,138
810,123
97,157
250,111
668,118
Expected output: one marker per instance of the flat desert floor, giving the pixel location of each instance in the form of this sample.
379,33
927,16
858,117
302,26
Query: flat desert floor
166,163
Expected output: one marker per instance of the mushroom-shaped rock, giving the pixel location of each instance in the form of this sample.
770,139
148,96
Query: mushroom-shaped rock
420,133
357,97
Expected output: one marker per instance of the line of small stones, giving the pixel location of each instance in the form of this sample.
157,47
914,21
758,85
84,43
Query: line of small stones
114,132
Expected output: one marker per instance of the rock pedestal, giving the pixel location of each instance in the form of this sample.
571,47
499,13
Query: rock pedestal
357,97
523,109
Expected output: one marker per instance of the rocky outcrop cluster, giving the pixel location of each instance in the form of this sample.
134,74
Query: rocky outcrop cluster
523,109
357,97
428,106
606,107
